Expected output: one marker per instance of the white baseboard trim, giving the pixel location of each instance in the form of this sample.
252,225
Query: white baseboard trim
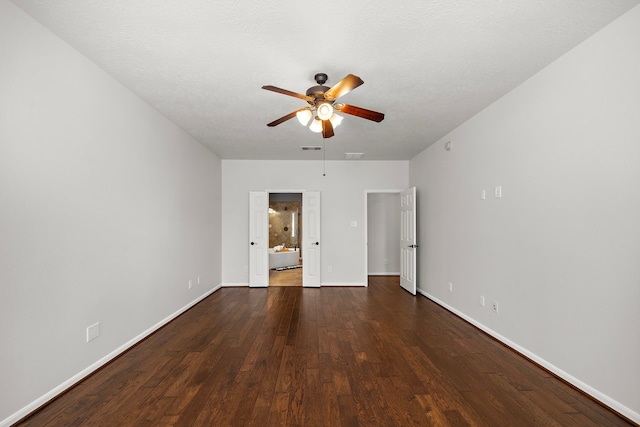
98,364
606,400
327,284
387,273
345,284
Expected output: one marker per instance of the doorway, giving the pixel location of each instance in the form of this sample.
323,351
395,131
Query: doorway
387,227
309,238
285,231
383,233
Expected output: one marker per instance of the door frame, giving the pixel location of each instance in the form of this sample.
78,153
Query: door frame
366,227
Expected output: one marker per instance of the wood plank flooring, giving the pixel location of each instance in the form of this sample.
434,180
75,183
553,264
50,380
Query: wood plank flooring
292,356
291,277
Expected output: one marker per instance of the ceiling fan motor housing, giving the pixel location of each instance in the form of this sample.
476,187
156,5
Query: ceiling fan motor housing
317,92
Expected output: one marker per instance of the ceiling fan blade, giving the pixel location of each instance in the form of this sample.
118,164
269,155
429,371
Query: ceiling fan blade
327,129
360,112
283,118
343,87
288,92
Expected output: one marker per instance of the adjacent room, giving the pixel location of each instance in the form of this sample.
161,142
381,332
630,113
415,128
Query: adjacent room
415,213
285,260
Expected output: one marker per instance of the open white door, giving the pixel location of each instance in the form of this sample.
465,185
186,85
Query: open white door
258,239
311,238
408,244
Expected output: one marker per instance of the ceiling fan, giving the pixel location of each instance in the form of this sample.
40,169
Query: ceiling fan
322,105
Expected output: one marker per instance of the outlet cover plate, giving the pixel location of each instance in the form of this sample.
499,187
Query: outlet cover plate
93,331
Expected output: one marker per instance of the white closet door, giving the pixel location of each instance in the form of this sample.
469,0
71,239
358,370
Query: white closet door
311,238
258,239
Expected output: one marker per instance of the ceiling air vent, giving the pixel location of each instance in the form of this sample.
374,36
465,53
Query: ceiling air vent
310,147
353,156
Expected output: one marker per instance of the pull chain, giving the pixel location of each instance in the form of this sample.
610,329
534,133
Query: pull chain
324,157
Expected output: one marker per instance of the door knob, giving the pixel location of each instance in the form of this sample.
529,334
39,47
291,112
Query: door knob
316,243
253,243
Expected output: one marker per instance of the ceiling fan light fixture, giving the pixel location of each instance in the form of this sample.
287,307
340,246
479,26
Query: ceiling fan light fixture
316,125
320,115
304,116
335,120
325,111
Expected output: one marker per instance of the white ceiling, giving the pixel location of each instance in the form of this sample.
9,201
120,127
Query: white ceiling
428,65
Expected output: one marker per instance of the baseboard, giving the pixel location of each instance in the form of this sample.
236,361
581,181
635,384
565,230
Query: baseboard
345,284
98,364
595,394
327,284
388,273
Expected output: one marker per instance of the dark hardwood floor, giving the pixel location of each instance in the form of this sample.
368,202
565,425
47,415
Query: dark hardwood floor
281,356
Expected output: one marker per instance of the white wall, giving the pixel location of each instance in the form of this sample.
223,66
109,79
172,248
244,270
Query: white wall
383,229
560,251
342,201
106,211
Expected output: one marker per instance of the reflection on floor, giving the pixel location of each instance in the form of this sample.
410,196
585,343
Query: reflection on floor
291,277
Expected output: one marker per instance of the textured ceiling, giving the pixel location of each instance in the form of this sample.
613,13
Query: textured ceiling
428,65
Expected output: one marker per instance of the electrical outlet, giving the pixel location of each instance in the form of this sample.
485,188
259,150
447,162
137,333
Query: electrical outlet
198,280
190,284
330,269
93,331
450,287
498,192
494,306
482,301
